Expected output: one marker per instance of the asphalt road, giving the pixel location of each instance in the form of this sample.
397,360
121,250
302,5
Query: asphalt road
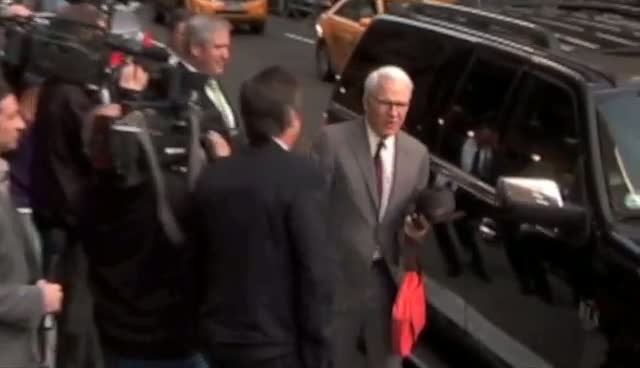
290,44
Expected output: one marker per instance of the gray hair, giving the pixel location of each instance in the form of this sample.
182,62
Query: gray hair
198,29
385,72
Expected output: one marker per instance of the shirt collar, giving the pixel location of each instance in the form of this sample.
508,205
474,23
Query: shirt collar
374,139
281,144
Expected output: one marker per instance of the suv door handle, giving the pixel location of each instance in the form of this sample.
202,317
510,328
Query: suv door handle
488,230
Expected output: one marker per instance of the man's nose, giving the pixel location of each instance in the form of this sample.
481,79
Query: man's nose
21,125
225,54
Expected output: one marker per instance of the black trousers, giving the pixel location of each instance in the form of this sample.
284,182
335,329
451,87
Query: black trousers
291,360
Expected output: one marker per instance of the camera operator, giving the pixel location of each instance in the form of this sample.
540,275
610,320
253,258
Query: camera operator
59,172
140,275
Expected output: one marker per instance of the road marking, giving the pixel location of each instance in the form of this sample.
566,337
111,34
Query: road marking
299,38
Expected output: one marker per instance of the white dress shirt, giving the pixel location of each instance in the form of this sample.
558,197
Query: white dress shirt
388,156
281,143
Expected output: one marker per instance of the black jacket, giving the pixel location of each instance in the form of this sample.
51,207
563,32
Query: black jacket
265,267
190,82
60,168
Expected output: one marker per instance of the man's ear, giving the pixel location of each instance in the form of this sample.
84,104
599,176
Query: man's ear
194,50
295,118
365,102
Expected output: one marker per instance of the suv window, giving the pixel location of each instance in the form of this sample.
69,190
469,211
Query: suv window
542,140
471,124
430,104
356,9
417,51
619,135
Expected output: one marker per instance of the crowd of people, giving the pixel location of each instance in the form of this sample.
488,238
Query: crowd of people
257,255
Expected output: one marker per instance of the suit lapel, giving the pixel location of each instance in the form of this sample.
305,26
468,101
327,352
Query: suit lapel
223,90
25,247
362,154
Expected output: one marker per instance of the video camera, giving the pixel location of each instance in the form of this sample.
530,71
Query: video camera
70,51
79,53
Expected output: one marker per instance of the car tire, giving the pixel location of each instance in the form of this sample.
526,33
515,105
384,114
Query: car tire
257,28
324,69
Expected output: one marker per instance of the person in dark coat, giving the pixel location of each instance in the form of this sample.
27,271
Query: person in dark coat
266,270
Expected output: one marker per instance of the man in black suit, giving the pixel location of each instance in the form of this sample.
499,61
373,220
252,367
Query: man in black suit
265,266
207,42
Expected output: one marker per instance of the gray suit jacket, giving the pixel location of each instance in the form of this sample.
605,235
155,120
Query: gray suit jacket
343,151
21,303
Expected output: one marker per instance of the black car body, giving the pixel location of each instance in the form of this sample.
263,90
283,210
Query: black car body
523,92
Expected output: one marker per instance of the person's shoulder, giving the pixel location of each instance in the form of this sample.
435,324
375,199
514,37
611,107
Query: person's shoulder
338,134
338,130
218,171
301,166
412,145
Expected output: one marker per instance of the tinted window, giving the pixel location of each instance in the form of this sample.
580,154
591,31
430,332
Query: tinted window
430,99
619,136
419,52
542,140
470,126
356,9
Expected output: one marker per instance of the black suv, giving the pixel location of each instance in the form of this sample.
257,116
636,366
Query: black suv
533,119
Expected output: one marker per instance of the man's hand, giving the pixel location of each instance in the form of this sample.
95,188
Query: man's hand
133,77
416,227
109,111
17,10
51,295
219,145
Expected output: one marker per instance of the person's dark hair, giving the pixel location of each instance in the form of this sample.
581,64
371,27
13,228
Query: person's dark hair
82,19
5,88
265,100
180,15
84,13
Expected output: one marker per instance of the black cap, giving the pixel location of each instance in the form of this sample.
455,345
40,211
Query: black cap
437,205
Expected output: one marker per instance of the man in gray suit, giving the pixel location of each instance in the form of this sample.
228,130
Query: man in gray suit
24,301
374,171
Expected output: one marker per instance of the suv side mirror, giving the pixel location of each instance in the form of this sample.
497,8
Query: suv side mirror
364,22
536,201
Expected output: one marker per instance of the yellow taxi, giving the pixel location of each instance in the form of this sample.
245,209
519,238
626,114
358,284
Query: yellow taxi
251,12
339,29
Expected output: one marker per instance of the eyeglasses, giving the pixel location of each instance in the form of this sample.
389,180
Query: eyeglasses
387,104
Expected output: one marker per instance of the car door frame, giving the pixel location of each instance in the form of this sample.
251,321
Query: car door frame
338,55
440,166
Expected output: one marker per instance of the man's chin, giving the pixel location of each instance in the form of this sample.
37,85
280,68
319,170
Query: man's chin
389,132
